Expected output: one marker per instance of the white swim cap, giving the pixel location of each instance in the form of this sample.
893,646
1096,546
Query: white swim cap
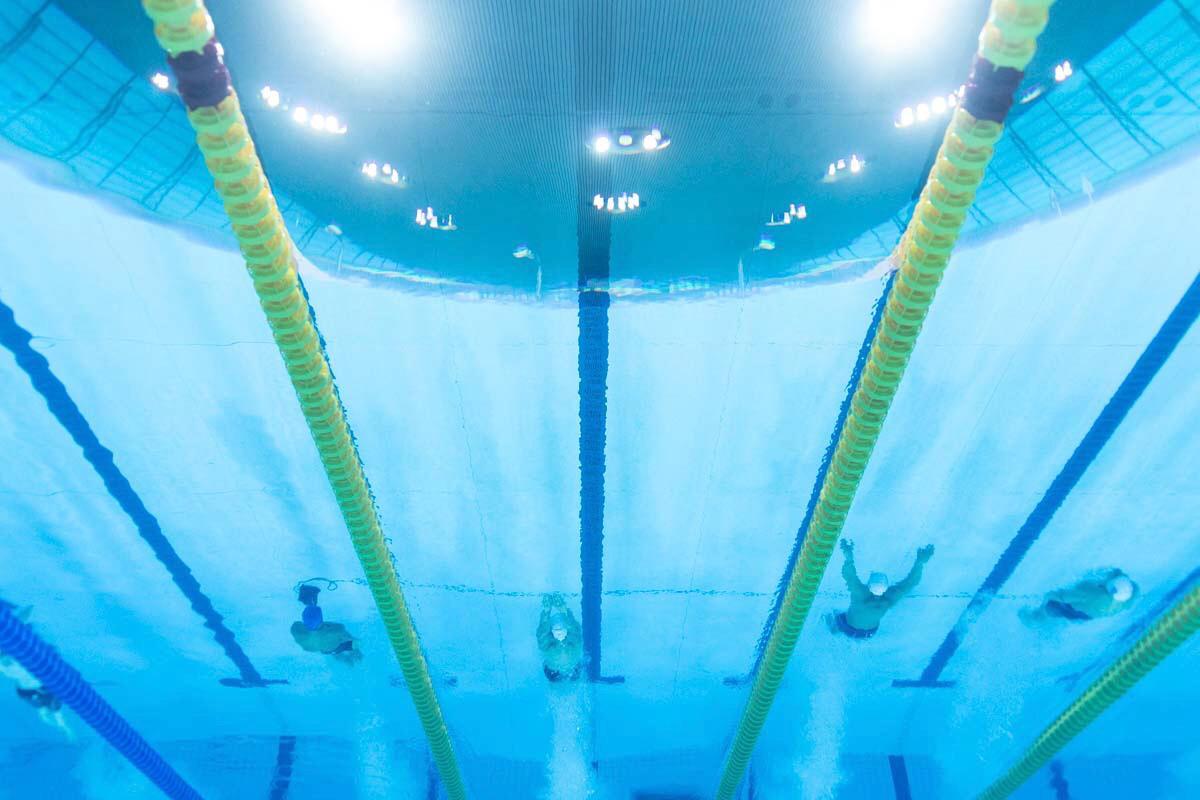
1120,587
558,631
877,584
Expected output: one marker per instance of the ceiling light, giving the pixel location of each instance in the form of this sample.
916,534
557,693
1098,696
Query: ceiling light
366,28
629,141
855,164
939,105
907,117
617,204
922,112
300,114
270,97
160,81
317,122
894,25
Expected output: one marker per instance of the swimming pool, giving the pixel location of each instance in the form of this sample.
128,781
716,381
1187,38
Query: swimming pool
635,420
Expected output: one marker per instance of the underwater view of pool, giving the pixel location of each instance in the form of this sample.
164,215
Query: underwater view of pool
612,399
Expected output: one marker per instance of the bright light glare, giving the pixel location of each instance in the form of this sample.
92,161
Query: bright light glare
366,28
922,112
939,105
318,122
625,140
897,25
649,141
602,144
855,164
161,81
907,117
331,124
598,202
300,114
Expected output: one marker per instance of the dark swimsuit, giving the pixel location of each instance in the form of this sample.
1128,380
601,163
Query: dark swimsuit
1057,608
558,677
344,647
845,627
39,698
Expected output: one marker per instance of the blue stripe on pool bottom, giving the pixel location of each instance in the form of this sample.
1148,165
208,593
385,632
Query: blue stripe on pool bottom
900,777
281,776
18,341
1144,369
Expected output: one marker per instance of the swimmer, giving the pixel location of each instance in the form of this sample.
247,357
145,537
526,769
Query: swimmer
560,640
1100,593
315,635
30,689
870,601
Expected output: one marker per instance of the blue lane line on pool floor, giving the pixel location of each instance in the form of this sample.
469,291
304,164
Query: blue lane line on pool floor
593,406
18,341
1058,782
281,776
1144,369
900,777
859,365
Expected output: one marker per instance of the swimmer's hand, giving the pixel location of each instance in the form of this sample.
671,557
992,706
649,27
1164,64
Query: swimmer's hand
925,553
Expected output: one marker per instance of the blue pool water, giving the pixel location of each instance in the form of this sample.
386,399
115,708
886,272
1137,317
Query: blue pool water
643,441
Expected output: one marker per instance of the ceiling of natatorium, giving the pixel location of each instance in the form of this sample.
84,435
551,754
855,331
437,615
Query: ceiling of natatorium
488,109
